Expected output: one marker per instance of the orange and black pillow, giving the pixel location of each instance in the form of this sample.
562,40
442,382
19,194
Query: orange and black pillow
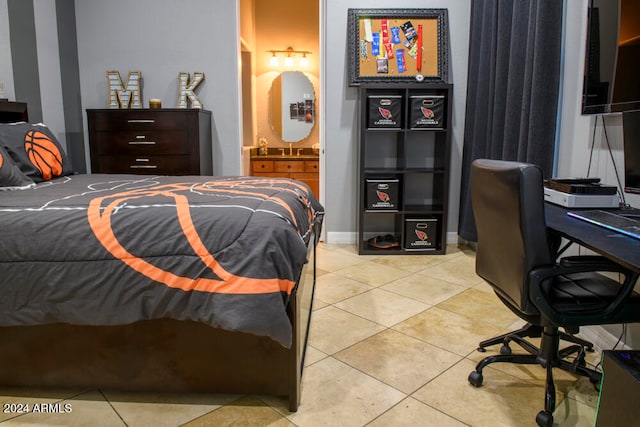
11,178
35,150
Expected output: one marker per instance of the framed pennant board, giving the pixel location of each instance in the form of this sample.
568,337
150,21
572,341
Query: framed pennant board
398,45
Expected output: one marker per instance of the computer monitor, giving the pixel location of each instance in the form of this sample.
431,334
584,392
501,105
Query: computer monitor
611,83
631,132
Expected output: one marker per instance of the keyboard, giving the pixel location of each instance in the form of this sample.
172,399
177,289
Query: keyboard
615,222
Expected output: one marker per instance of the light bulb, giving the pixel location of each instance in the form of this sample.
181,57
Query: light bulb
274,60
304,62
288,61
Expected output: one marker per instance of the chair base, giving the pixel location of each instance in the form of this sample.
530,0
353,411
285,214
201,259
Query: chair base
549,356
529,331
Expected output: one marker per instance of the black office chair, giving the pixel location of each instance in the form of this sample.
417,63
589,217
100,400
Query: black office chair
517,257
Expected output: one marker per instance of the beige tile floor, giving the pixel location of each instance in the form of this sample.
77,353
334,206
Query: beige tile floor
392,342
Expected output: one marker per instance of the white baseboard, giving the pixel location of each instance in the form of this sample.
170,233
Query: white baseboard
347,237
341,238
601,338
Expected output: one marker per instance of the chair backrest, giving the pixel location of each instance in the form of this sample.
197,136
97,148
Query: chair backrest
508,208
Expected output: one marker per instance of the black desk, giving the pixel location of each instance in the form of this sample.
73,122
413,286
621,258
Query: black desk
621,249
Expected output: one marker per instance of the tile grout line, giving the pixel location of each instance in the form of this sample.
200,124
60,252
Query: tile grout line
106,399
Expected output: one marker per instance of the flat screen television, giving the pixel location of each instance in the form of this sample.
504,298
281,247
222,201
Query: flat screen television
612,62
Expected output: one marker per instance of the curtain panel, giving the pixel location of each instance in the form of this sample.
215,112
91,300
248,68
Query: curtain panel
513,88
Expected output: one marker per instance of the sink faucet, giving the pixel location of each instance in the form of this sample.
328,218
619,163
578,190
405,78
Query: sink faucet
290,150
282,151
299,150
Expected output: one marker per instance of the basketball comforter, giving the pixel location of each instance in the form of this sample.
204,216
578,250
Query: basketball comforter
116,249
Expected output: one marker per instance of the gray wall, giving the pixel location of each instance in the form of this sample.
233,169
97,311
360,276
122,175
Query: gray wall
6,68
49,66
27,25
24,56
161,38
341,175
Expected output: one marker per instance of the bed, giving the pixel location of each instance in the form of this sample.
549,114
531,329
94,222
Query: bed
151,283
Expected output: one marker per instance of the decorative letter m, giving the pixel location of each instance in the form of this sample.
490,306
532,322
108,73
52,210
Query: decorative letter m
121,96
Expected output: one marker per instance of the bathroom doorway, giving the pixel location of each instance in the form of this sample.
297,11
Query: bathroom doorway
281,44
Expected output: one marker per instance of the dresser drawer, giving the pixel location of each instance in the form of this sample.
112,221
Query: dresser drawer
288,166
139,120
146,142
309,178
267,174
303,176
311,166
155,165
262,166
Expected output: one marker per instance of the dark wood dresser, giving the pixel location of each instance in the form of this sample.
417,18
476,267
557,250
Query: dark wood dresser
11,112
163,141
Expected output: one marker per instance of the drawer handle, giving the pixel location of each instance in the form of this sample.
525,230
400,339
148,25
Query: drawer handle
141,121
142,159
143,167
142,143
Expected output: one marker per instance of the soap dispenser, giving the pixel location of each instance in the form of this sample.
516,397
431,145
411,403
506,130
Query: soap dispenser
262,151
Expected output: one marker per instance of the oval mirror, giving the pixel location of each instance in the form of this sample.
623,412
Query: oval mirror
292,106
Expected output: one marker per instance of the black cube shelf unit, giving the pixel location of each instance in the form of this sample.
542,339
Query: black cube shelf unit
404,155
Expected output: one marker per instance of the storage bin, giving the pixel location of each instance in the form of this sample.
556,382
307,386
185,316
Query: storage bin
384,111
427,112
421,234
382,194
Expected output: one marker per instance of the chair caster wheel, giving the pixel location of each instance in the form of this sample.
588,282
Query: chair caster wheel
505,350
544,419
475,378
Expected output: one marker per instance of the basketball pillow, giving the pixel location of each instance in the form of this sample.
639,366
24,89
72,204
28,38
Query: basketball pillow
43,154
11,178
35,150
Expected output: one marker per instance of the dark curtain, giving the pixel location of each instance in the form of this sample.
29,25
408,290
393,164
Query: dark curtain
513,88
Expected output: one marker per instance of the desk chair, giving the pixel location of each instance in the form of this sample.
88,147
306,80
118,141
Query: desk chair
517,257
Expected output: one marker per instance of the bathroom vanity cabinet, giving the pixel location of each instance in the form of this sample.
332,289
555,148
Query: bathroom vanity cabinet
302,168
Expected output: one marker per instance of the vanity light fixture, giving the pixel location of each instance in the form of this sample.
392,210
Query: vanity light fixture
274,60
288,61
304,61
289,57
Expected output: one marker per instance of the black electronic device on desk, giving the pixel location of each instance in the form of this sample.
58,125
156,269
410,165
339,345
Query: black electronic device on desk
580,193
620,389
580,186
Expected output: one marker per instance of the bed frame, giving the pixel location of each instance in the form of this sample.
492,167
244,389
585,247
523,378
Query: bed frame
164,355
